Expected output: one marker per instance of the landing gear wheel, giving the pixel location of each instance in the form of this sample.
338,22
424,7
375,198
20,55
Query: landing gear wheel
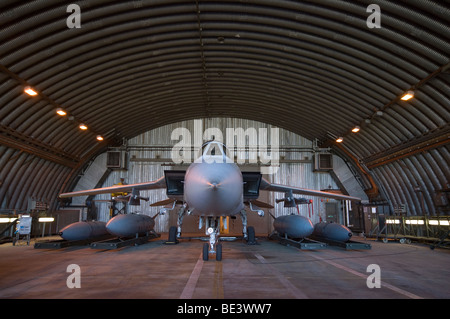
205,252
172,236
251,236
219,252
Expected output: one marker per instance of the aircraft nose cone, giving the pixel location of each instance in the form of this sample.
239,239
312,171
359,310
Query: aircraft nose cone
213,189
213,186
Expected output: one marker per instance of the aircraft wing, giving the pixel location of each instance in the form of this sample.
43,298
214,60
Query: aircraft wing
267,186
159,183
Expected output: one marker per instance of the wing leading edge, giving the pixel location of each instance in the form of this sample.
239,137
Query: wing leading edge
267,186
159,183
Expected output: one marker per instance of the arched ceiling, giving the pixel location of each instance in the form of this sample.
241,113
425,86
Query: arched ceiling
315,68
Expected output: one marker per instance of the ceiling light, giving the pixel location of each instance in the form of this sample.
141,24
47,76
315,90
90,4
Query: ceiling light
99,138
407,96
339,139
28,90
83,127
356,129
61,112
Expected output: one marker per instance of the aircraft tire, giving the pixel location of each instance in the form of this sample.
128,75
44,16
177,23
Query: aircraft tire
205,252
219,252
251,236
172,235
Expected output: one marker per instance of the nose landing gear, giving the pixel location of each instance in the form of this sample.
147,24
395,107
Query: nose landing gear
214,246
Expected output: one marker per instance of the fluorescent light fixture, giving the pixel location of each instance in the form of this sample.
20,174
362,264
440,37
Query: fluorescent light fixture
439,222
28,90
46,219
392,221
61,112
339,139
415,222
7,220
407,96
83,127
356,129
99,138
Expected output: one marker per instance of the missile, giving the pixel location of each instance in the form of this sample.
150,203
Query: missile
332,231
294,226
83,230
130,224
290,201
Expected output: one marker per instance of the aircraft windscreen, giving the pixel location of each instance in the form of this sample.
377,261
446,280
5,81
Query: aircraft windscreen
214,148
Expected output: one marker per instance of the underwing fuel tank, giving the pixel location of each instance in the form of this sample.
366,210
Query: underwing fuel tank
294,226
83,230
332,231
130,224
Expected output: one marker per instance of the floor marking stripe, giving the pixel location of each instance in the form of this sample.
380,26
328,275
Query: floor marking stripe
218,281
297,293
354,272
188,290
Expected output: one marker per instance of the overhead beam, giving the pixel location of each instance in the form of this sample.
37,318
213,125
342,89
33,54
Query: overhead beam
424,143
20,141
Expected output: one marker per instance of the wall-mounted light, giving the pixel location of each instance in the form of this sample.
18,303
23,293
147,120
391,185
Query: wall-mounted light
439,222
356,129
407,96
339,140
61,112
28,90
4,220
99,138
415,221
393,221
83,127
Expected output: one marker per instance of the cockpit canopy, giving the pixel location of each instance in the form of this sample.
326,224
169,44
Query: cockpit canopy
215,151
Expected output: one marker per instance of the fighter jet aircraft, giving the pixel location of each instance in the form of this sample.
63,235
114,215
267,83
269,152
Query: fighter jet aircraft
211,187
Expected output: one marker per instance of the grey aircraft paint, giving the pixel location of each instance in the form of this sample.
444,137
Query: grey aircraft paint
210,189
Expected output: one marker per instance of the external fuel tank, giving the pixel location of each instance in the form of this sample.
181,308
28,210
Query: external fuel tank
294,226
332,231
129,225
83,230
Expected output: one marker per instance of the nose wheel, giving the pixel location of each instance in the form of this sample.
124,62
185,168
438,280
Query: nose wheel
206,252
214,247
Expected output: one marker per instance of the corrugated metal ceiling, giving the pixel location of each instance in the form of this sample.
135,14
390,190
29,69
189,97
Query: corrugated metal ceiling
312,67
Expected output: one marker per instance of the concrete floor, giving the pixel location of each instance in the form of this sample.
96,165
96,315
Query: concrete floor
264,271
